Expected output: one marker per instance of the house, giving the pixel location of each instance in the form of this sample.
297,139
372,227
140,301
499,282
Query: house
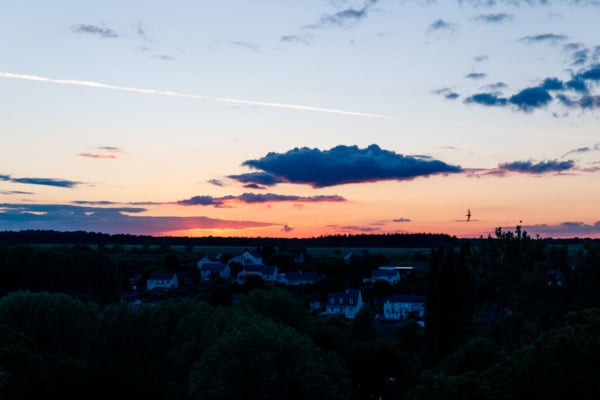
246,258
208,260
387,274
300,278
165,280
404,306
267,272
346,303
207,270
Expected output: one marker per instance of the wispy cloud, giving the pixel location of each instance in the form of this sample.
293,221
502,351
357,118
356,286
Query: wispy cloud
552,38
62,183
494,18
481,58
107,153
37,78
215,182
15,192
246,45
441,25
475,75
447,93
402,219
114,220
95,30
345,17
252,198
303,39
97,156
583,150
345,164
541,167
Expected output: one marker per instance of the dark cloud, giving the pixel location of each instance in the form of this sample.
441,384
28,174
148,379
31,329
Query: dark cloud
589,102
95,30
531,98
486,99
552,84
107,220
544,38
542,167
111,149
441,25
254,186
481,58
577,84
12,192
402,219
63,183
286,228
215,182
346,164
345,17
475,75
94,203
258,178
251,198
494,18
202,201
97,156
592,74
447,93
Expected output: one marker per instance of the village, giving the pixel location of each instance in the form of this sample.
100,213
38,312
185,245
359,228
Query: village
379,288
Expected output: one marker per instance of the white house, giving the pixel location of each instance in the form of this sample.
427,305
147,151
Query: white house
387,274
166,280
300,278
220,269
346,303
246,258
404,306
268,272
208,260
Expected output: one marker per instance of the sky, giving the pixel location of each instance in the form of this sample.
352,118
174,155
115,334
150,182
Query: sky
288,118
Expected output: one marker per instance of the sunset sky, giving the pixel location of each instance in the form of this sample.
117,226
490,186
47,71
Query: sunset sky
300,118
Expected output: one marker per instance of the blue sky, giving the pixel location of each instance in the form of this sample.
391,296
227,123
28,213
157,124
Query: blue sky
332,116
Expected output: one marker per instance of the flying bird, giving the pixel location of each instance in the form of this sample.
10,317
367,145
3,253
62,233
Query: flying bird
468,215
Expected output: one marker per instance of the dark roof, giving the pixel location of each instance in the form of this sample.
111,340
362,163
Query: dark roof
406,298
213,267
385,273
161,276
303,276
258,268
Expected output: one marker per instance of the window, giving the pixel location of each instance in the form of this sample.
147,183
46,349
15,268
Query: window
351,301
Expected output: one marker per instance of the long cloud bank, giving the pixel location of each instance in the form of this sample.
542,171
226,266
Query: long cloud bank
107,220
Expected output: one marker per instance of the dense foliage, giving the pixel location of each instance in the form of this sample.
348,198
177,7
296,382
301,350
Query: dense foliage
507,317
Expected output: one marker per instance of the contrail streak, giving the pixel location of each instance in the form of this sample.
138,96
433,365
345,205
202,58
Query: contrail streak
100,85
